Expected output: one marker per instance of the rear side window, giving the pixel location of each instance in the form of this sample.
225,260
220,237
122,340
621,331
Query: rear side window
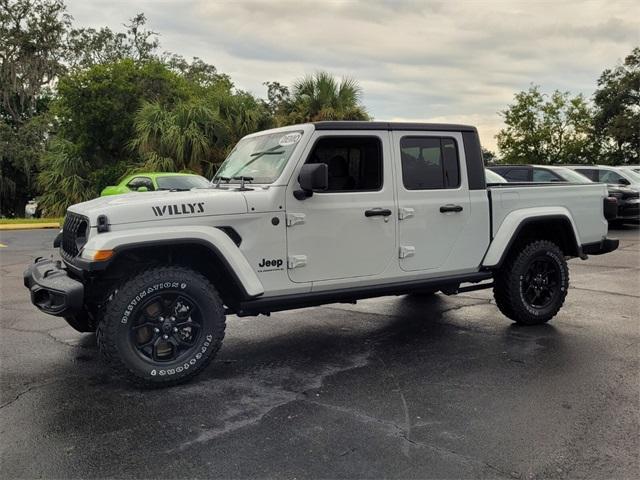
354,163
516,175
429,163
590,173
543,175
138,182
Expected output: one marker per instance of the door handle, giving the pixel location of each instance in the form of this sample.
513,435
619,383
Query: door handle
450,208
377,212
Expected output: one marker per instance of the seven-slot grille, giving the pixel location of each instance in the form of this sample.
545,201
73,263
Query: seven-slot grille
74,234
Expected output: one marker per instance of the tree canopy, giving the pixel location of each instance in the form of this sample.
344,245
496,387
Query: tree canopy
617,111
546,129
32,53
81,107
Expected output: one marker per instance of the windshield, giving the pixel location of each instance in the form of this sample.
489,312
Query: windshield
261,158
571,176
631,174
182,182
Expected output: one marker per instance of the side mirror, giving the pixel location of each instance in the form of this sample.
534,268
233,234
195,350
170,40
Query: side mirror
623,181
142,189
314,177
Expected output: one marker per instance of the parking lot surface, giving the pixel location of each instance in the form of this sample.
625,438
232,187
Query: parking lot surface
395,387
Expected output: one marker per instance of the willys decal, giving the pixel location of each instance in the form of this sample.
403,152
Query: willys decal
181,209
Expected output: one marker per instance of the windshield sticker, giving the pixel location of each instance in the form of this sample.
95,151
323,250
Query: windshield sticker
290,139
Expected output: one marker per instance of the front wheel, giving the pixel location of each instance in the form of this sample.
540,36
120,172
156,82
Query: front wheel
162,327
532,284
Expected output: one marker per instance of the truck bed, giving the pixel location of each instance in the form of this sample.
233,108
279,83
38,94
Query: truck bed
582,202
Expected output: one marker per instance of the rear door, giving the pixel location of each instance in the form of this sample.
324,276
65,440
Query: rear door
349,230
434,214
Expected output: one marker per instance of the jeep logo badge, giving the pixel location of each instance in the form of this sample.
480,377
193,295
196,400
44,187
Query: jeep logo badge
270,265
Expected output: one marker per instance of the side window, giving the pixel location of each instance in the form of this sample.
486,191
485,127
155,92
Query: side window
590,173
429,163
354,163
138,182
609,176
516,175
543,175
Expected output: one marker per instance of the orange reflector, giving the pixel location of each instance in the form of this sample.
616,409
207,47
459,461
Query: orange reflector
101,255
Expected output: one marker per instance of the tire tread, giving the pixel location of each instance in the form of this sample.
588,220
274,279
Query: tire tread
506,290
106,330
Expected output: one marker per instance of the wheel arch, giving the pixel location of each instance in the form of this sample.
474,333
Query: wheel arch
208,250
557,227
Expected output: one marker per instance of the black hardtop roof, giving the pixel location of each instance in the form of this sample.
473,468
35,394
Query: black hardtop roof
363,125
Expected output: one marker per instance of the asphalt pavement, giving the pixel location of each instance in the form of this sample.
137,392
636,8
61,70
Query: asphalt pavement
395,387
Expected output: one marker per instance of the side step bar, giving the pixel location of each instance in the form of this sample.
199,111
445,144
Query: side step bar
468,288
265,305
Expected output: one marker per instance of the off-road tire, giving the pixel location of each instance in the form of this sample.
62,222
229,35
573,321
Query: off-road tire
114,329
509,283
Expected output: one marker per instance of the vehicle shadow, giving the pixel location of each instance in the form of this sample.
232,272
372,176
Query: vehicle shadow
432,355
327,339
630,227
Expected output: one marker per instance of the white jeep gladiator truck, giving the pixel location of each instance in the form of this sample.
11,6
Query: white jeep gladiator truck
308,215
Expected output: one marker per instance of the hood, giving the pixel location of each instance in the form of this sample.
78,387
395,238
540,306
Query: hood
162,205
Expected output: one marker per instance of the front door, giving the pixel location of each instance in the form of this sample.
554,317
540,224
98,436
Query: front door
349,230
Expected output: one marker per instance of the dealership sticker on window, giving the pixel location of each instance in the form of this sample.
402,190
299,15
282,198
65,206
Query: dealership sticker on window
290,139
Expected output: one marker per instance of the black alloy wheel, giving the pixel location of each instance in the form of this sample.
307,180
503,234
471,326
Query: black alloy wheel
540,284
162,326
167,327
531,285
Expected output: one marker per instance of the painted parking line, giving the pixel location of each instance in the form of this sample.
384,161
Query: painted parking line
2,245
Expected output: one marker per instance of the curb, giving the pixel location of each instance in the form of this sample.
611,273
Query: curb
28,226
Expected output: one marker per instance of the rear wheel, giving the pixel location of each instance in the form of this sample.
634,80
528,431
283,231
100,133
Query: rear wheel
531,286
163,326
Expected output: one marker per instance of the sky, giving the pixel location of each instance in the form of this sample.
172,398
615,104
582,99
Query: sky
439,61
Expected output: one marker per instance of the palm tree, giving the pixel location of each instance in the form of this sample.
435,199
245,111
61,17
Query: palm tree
63,178
183,138
322,97
242,114
195,135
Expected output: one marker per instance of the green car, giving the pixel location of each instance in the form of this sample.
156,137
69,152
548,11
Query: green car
149,182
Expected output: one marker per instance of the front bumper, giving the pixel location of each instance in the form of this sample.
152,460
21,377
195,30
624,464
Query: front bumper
52,289
629,209
600,248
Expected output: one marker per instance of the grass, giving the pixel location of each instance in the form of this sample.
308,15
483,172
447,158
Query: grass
11,221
